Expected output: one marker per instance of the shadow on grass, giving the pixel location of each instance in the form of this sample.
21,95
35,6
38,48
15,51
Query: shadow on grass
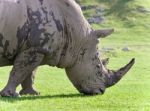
22,98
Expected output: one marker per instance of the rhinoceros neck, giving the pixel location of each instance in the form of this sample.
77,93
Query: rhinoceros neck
76,28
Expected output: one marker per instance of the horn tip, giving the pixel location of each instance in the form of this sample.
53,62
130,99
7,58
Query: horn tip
132,60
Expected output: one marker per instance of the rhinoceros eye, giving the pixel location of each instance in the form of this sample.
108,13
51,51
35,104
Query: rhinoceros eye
97,53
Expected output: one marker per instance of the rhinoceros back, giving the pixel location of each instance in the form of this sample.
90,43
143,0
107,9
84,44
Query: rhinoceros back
30,23
55,26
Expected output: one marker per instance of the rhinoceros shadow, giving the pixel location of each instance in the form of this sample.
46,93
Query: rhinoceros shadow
11,100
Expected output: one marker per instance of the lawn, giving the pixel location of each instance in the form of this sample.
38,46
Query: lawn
132,93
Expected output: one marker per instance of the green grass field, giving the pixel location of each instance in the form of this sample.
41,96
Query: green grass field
132,93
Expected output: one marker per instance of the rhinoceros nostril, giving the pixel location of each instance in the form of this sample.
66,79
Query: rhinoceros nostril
102,91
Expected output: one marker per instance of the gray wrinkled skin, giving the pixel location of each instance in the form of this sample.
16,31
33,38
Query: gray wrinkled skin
55,33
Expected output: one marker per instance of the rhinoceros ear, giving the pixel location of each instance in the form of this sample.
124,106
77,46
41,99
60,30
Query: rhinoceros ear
102,33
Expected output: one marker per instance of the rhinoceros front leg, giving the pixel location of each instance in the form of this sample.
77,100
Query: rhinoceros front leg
24,64
27,85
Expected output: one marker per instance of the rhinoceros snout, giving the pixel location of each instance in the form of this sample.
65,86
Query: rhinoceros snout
93,92
88,91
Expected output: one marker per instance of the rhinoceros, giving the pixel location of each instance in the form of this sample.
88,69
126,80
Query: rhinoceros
54,33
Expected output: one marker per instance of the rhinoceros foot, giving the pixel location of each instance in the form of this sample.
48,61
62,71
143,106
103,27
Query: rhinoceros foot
9,92
28,92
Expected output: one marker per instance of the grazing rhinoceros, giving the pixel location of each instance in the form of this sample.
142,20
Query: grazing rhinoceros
52,32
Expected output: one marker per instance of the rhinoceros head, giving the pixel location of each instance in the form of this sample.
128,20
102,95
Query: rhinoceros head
89,74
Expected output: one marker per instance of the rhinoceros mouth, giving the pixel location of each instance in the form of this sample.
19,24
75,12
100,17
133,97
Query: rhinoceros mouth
90,91
93,92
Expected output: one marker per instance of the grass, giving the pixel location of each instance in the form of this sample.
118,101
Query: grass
130,94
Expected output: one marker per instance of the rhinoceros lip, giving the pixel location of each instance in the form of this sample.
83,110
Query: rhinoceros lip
92,92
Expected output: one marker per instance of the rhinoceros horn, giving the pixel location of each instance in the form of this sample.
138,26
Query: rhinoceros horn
102,33
114,76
